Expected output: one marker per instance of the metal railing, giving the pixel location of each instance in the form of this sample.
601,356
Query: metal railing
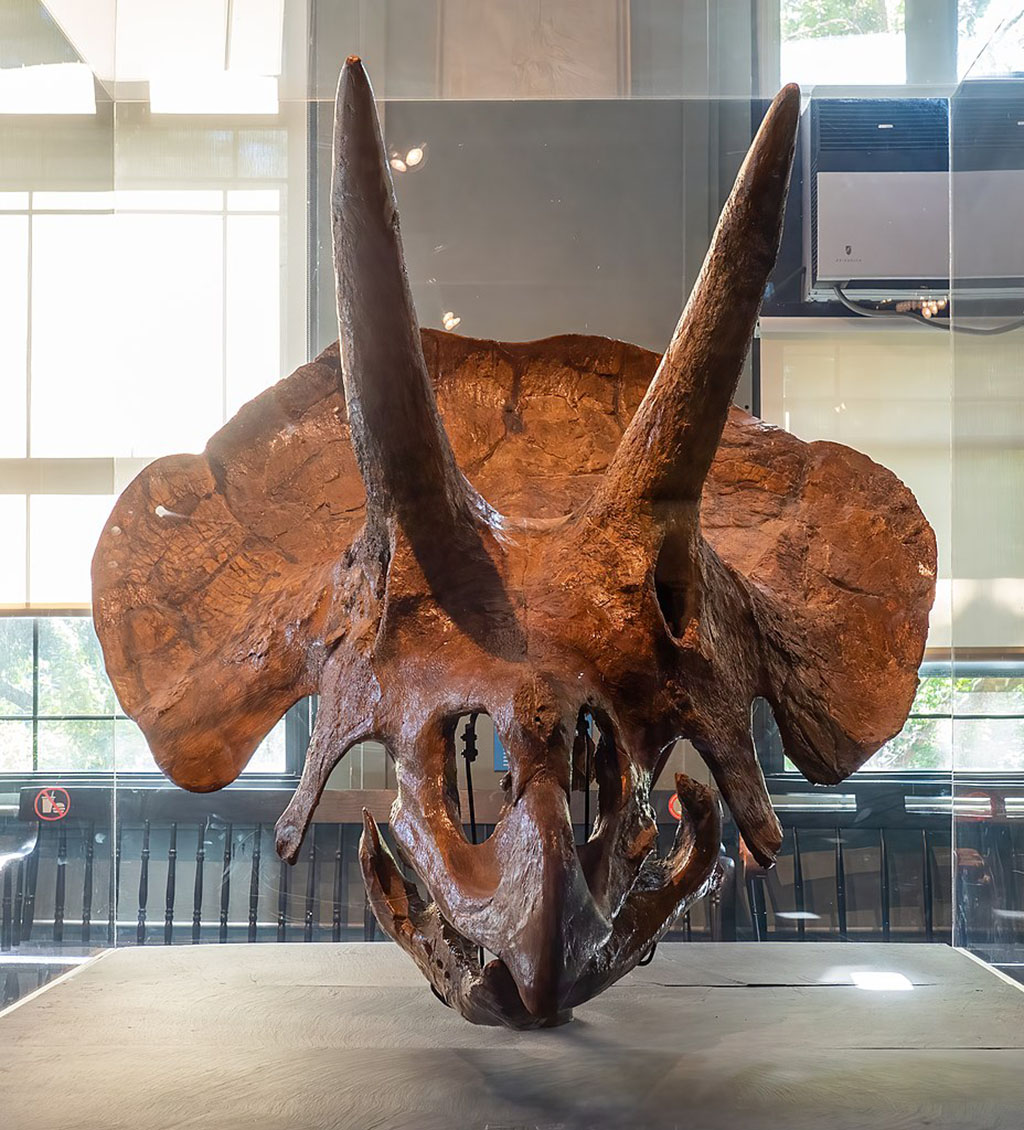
870,860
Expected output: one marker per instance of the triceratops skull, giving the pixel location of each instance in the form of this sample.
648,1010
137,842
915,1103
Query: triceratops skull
690,561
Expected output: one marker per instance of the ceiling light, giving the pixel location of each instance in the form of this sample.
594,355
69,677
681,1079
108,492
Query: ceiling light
50,88
409,160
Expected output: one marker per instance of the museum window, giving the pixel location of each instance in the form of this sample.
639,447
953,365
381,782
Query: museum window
889,43
76,429
58,713
863,41
980,708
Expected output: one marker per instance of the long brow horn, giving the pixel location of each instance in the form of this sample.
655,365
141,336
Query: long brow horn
666,451
400,443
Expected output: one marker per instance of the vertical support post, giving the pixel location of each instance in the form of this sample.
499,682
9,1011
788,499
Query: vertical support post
112,923
172,868
798,886
758,911
62,872
310,885
927,894
254,883
12,990
197,887
90,838
140,929
282,902
840,886
369,922
1013,870
19,899
346,894
469,752
7,904
339,863
583,725
31,877
225,884
883,875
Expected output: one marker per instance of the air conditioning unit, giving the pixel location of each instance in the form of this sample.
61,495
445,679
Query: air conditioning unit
879,193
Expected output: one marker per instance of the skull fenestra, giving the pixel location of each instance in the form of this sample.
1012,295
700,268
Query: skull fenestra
592,531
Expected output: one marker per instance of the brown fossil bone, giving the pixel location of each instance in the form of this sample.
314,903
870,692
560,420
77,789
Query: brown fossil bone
417,526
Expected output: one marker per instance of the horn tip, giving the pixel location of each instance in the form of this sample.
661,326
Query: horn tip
353,76
784,112
788,98
370,828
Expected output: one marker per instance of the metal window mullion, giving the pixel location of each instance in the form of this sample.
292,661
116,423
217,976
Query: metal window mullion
28,352
35,694
64,717
28,425
224,305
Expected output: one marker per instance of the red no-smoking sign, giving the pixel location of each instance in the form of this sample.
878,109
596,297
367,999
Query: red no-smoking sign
52,803
674,807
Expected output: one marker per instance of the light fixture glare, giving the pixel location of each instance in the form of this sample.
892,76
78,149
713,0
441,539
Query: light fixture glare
49,88
881,981
216,92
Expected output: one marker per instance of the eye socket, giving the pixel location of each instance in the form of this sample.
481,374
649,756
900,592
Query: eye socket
474,755
595,772
584,773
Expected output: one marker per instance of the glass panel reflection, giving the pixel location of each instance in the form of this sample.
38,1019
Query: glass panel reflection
75,745
15,746
849,41
16,666
72,679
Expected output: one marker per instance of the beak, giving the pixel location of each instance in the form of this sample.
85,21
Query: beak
522,894
553,928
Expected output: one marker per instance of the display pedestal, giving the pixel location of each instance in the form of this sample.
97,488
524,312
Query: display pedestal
740,1036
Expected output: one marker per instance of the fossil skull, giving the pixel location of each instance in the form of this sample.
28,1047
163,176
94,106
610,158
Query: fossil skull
596,534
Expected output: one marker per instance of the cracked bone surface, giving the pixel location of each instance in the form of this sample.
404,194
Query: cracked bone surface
417,525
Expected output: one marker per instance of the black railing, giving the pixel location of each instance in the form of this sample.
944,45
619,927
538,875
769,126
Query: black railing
871,860
223,891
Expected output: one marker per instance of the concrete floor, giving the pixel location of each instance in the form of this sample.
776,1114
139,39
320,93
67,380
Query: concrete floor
708,1036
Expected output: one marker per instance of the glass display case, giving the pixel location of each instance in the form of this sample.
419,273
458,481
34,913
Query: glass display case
559,167
986,548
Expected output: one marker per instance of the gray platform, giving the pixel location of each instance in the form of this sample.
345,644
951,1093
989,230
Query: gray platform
739,1036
